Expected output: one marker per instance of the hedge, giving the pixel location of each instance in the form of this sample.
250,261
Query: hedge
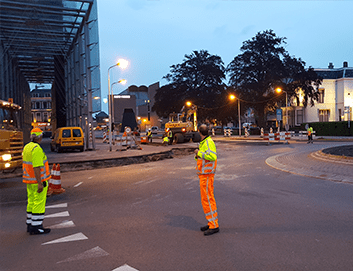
339,128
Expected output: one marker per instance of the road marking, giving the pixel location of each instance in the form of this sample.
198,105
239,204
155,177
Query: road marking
78,184
125,267
62,205
64,224
62,214
92,253
70,238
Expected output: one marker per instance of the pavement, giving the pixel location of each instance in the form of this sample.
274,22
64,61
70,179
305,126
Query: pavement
311,163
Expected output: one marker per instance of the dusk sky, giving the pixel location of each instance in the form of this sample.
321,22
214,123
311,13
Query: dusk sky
155,34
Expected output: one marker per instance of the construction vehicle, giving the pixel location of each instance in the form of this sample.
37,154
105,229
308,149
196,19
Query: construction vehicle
11,136
183,125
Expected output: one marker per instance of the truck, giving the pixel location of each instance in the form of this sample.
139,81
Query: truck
183,125
11,136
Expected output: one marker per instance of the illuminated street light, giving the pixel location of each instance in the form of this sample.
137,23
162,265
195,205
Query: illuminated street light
232,98
122,63
279,90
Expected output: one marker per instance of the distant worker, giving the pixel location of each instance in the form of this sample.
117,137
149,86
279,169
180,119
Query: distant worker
165,139
206,157
36,175
149,135
170,136
310,135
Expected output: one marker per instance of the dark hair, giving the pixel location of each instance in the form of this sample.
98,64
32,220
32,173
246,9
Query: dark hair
203,129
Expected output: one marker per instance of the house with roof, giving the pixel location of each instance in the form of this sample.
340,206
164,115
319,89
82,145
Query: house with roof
335,101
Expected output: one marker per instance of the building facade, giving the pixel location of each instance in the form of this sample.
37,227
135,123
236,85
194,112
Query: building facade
41,108
335,99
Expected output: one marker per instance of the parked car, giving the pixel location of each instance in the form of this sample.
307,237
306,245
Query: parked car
67,138
154,129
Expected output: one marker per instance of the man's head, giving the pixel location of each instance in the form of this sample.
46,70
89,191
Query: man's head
36,134
203,129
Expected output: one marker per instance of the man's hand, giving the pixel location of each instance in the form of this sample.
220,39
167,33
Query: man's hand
196,151
40,187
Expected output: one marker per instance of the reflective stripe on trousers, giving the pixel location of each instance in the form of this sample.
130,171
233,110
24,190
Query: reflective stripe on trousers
36,204
208,200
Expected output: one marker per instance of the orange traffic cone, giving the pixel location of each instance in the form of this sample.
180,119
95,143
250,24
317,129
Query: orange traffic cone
56,181
50,191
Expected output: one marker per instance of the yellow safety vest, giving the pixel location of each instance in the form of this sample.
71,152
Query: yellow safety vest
34,156
206,157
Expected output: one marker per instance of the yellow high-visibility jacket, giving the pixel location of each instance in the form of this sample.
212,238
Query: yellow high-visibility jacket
206,157
34,156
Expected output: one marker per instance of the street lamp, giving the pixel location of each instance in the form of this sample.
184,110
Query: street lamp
123,64
279,90
232,98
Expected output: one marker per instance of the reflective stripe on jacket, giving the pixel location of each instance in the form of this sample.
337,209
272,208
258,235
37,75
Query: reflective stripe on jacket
206,157
34,156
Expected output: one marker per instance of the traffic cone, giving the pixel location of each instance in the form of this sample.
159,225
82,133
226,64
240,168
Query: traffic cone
56,181
50,190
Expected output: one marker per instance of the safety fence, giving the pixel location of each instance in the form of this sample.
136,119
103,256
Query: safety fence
281,136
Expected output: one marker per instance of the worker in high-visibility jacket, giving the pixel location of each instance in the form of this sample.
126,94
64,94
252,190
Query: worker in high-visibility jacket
36,175
310,131
206,157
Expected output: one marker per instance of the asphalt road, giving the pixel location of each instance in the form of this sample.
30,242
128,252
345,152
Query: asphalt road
147,217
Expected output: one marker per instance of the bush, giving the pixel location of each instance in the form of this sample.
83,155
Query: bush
339,128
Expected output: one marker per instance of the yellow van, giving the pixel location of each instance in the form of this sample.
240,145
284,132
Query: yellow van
67,138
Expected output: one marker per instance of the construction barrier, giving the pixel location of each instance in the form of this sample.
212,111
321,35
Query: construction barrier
262,133
213,133
105,140
281,136
227,132
55,182
246,132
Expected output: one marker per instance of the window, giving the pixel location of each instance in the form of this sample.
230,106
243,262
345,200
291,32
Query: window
298,116
45,117
38,117
324,115
37,105
339,115
76,132
67,133
321,96
44,105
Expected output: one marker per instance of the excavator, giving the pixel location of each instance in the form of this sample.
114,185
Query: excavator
184,125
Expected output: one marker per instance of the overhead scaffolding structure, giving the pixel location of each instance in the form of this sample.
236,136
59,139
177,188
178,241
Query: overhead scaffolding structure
52,42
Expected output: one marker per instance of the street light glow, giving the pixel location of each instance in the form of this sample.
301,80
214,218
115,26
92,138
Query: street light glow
122,63
188,103
232,97
278,90
122,81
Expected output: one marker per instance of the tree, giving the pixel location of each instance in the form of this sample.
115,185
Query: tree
263,65
200,79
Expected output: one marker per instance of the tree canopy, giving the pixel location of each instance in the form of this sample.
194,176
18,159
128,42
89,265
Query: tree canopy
263,65
199,79
254,74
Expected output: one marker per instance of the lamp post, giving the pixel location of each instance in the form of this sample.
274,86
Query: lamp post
279,90
123,64
232,97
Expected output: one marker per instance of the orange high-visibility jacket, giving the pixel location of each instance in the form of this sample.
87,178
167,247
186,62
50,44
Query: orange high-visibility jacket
206,157
34,156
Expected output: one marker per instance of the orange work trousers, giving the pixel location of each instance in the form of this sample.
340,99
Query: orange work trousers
207,199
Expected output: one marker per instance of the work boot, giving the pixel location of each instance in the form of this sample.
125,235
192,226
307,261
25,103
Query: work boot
38,230
211,231
205,228
29,227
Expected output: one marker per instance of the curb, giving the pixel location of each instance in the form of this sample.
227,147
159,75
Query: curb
111,162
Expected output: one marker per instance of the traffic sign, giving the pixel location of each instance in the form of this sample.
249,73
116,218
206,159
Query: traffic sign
279,114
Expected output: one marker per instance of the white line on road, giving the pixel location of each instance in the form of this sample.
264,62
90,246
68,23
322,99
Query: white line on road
125,267
61,205
61,214
70,238
92,253
76,185
64,224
